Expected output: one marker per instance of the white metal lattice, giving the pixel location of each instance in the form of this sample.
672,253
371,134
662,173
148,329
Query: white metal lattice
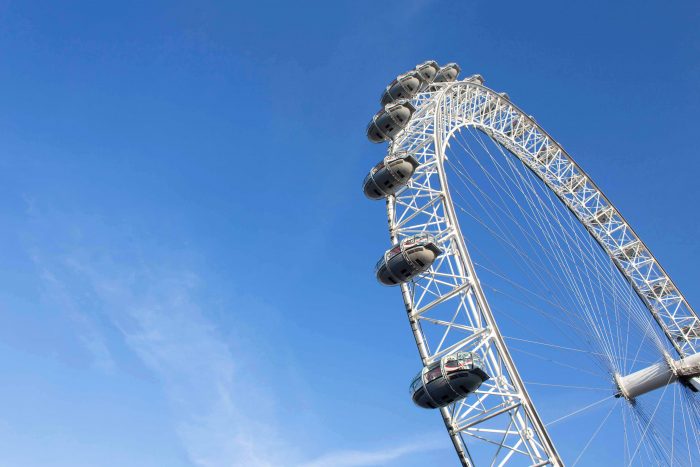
446,306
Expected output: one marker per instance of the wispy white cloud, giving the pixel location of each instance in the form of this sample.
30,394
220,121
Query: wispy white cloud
223,418
86,328
164,325
357,458
222,415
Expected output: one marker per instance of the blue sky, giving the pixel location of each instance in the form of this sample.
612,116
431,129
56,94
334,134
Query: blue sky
187,256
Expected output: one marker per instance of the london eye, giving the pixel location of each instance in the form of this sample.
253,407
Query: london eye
544,325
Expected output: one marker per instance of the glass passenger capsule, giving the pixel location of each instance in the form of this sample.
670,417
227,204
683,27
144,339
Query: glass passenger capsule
447,73
428,71
450,379
389,121
403,87
478,79
411,257
389,176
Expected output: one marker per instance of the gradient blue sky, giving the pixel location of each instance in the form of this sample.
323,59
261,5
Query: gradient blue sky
186,254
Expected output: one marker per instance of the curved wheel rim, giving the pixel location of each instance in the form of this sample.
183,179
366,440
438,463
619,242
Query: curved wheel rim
450,295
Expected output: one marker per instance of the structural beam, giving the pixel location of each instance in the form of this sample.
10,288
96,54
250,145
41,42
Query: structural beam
658,375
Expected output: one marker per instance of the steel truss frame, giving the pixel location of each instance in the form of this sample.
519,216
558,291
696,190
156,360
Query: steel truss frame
446,306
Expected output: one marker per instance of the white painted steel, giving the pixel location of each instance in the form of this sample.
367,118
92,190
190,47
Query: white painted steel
657,376
448,298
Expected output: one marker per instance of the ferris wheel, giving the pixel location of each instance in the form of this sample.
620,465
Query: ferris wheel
547,330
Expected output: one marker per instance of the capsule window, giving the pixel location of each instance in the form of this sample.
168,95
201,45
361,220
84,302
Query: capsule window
377,193
420,263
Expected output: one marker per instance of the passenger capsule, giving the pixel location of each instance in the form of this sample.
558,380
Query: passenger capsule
389,121
476,79
428,71
452,378
411,257
447,73
389,176
403,87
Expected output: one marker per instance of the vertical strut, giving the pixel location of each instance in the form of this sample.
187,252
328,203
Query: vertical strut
464,262
423,351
